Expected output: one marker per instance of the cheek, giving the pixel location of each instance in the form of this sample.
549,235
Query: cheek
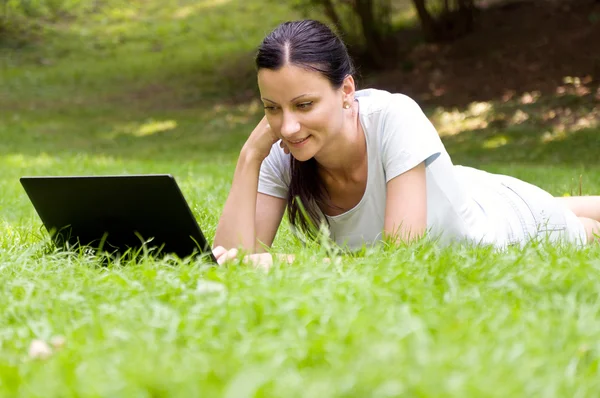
325,118
275,123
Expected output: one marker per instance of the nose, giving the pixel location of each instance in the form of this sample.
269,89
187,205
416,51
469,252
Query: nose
290,125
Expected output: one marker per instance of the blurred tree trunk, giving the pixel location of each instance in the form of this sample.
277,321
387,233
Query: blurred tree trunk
365,24
455,20
373,37
428,24
332,14
345,13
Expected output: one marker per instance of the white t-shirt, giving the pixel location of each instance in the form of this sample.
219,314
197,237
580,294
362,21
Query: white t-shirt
399,136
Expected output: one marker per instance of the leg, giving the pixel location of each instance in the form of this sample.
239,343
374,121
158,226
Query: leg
592,229
583,206
572,219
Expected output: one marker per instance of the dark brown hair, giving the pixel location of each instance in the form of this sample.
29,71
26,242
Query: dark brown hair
314,46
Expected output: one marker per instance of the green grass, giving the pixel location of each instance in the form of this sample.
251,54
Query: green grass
169,89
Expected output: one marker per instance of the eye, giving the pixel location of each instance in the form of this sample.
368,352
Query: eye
270,109
305,105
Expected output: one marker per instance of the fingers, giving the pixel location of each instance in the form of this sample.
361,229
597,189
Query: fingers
223,255
219,251
259,260
286,150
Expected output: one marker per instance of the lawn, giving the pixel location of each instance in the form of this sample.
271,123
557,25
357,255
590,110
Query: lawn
168,87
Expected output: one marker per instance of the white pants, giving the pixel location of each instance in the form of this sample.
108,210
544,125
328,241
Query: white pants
537,215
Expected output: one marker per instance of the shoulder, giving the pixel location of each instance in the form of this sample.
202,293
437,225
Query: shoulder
376,100
386,107
275,173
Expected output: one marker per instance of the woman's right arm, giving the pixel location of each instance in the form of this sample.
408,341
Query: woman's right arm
250,219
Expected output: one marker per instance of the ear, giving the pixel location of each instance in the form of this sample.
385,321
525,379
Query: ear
348,89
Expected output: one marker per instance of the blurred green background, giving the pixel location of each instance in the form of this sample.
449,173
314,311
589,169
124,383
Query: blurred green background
94,86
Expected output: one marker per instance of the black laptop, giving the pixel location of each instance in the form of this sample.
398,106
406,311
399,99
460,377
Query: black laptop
118,214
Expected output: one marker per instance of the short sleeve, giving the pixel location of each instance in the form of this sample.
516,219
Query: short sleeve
274,176
408,137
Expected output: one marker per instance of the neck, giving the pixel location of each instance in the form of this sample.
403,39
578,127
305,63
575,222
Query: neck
346,155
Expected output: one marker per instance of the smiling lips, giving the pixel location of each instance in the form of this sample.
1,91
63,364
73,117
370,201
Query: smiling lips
299,142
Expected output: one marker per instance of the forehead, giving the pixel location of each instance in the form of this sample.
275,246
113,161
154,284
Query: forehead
289,82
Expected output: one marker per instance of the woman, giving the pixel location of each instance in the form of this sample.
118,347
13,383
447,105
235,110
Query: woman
369,164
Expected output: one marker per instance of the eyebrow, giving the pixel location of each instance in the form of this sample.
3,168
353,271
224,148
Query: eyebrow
293,99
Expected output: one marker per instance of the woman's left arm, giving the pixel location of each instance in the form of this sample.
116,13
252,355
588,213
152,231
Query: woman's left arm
406,206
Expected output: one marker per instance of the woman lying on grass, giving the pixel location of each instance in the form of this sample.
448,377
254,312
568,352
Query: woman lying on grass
369,164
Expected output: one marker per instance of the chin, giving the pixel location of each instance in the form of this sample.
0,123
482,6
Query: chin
302,157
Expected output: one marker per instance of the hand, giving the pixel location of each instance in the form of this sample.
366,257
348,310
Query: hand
261,140
223,255
286,150
258,260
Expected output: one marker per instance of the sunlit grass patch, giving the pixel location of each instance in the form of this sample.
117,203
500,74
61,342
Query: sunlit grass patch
573,108
529,128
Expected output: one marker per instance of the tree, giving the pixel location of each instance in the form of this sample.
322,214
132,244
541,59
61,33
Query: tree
455,18
371,16
366,27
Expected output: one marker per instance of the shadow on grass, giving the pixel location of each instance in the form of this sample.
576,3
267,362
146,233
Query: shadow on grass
555,129
517,47
580,148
